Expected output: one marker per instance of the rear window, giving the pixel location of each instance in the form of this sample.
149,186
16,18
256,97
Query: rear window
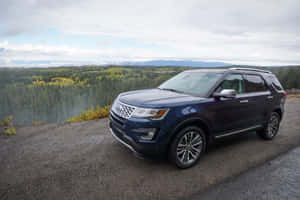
276,84
254,83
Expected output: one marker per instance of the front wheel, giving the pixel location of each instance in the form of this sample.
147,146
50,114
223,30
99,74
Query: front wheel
187,147
271,129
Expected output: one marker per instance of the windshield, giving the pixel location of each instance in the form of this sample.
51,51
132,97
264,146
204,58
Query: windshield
196,83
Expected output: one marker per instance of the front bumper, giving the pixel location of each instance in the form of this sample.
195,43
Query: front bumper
121,141
121,130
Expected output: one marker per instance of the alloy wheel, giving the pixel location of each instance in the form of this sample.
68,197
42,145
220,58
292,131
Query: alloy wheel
273,126
189,147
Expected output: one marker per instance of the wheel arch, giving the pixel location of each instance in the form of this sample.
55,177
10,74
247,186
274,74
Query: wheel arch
195,121
278,111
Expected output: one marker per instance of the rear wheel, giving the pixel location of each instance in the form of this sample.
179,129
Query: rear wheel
271,129
187,147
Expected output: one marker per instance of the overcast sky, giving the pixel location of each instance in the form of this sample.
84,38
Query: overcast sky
63,32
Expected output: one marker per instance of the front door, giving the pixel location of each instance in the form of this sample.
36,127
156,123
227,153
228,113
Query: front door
231,114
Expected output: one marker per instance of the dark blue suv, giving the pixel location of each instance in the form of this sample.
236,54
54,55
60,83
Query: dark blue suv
195,107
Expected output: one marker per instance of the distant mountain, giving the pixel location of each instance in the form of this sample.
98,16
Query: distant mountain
182,63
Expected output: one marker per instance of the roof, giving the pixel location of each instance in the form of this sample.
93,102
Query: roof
207,70
229,69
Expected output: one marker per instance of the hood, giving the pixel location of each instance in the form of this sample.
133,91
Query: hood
156,98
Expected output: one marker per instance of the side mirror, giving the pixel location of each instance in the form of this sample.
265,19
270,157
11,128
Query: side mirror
226,93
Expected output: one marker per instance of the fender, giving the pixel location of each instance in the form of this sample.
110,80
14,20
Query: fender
280,111
197,120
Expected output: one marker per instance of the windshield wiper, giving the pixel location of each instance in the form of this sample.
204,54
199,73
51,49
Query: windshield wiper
170,89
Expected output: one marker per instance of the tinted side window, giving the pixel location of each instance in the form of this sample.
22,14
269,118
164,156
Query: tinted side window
254,83
276,83
233,81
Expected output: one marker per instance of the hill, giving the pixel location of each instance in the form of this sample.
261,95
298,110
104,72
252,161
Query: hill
179,63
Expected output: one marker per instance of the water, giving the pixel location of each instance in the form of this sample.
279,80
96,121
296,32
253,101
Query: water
51,105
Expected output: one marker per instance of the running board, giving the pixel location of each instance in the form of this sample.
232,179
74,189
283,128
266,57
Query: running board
238,131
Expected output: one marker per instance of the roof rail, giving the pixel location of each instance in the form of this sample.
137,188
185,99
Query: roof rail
251,69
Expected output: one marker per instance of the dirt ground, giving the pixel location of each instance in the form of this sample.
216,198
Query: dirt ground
83,161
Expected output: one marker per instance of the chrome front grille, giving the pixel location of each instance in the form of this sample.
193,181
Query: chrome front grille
122,110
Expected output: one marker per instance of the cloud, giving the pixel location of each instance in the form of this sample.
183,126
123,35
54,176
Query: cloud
41,55
249,32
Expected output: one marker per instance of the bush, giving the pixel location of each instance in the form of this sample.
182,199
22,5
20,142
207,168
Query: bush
38,123
90,114
9,127
6,121
10,131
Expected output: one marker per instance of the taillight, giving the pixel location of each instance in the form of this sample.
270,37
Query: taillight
285,94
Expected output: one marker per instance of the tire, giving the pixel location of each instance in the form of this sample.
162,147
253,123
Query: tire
187,147
271,129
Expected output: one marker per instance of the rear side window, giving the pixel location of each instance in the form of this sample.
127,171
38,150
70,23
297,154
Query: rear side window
254,83
276,84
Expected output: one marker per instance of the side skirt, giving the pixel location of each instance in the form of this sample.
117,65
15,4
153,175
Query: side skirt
239,131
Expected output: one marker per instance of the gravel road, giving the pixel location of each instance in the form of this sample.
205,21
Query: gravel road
83,161
275,180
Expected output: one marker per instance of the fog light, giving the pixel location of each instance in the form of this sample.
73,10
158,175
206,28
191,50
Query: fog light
148,133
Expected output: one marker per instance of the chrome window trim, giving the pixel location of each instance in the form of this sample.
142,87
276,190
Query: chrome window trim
251,69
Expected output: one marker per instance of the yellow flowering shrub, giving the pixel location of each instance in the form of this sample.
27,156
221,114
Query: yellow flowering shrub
38,123
7,122
10,130
90,114
61,82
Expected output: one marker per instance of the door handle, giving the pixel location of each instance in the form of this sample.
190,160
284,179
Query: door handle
270,97
244,101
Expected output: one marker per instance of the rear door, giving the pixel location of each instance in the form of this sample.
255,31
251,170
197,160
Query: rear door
277,98
256,98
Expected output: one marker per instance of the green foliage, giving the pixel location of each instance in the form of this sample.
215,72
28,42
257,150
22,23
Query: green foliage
56,94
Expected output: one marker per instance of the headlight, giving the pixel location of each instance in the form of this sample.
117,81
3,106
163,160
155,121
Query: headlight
152,113
113,107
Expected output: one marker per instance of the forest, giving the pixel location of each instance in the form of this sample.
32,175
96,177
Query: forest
54,95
